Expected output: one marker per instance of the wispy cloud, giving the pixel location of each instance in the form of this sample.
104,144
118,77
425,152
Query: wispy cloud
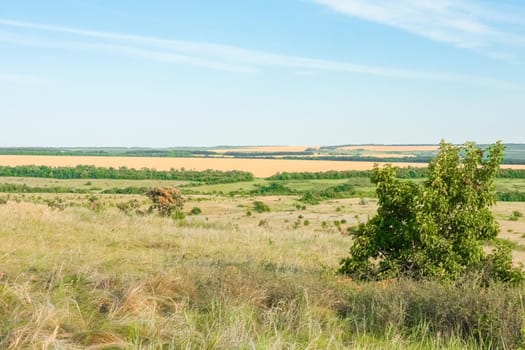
122,50
488,27
19,78
208,55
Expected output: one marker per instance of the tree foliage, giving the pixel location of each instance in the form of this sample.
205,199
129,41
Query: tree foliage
92,172
436,229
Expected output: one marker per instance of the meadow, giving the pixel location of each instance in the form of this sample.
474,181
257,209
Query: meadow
83,270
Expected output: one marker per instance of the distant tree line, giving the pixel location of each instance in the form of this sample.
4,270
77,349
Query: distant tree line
510,196
22,188
107,152
126,190
273,189
515,156
402,173
124,173
511,174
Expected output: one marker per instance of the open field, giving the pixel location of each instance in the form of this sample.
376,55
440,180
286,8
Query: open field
77,276
392,148
514,153
264,149
258,167
92,268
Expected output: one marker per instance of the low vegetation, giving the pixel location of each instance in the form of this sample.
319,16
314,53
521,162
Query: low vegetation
92,172
165,200
251,264
110,279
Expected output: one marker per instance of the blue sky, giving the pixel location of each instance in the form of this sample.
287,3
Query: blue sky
260,72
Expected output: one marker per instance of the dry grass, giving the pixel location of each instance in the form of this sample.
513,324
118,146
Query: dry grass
76,279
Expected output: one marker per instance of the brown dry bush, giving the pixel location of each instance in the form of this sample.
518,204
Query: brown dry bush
165,200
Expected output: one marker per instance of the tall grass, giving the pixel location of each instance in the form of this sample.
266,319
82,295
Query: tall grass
78,279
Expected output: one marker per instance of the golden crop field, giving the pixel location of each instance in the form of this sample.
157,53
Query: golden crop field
394,148
264,149
259,167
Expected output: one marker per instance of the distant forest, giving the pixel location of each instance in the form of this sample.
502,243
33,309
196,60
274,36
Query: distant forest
514,153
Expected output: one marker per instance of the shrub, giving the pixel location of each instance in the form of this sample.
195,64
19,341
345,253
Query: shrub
95,204
436,229
165,200
177,215
260,207
129,206
195,211
515,215
491,317
309,198
273,188
56,204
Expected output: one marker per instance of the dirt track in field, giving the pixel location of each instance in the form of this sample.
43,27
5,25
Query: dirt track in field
259,167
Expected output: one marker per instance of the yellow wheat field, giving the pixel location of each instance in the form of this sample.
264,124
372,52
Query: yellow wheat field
264,149
394,148
259,167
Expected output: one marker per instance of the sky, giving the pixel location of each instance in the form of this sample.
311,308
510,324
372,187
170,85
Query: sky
167,73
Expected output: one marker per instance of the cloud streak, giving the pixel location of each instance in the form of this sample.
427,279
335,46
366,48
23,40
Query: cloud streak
19,78
207,55
485,27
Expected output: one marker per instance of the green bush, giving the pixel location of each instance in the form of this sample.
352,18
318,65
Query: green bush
273,188
515,215
195,211
309,198
177,215
436,229
260,207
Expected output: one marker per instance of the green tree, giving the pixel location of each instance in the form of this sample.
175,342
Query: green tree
436,229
